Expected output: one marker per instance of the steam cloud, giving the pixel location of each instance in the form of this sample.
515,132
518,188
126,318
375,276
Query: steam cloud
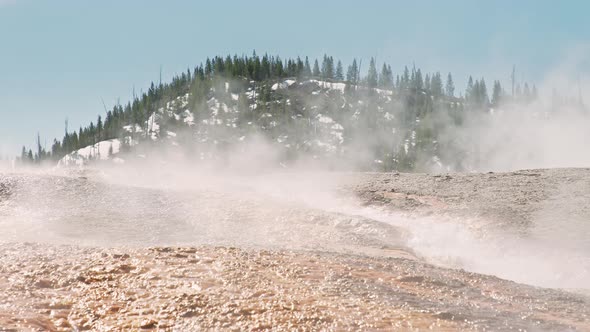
245,194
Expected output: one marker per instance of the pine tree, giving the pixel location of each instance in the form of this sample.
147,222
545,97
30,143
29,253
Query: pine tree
352,73
228,68
372,75
496,94
219,67
484,99
316,69
339,72
300,68
469,90
450,86
265,67
307,69
427,82
476,95
279,69
418,83
40,152
257,67
331,70
208,67
436,85
328,68
479,94
390,73
99,128
405,82
386,77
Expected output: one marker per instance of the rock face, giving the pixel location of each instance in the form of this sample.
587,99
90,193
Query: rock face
56,288
357,274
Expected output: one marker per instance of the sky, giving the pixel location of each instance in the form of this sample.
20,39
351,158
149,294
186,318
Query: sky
61,59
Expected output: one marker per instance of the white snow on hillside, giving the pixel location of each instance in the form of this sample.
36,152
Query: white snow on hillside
133,128
100,151
189,118
330,85
337,86
324,119
384,92
153,126
219,122
285,84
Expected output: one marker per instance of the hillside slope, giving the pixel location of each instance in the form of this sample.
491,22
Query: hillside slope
339,125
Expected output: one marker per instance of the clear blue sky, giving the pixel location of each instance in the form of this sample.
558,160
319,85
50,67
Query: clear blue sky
59,58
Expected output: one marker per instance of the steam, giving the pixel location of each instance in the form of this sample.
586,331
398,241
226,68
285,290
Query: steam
156,203
256,194
527,138
551,132
151,205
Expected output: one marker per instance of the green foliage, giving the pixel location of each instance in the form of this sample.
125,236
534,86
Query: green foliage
339,76
421,110
497,94
352,75
450,86
327,68
372,75
316,69
386,78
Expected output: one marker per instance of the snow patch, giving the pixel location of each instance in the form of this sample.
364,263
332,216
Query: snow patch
189,118
100,151
153,126
283,85
324,119
330,85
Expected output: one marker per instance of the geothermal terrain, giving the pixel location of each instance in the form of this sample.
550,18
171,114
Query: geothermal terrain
113,250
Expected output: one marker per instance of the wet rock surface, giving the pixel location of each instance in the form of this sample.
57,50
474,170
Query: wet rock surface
82,211
356,274
58,288
512,199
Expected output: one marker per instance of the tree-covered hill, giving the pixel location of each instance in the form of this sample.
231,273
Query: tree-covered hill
408,121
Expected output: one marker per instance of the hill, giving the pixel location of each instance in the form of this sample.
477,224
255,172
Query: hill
293,112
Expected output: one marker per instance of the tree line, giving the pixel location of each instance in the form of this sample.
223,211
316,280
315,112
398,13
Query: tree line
411,82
